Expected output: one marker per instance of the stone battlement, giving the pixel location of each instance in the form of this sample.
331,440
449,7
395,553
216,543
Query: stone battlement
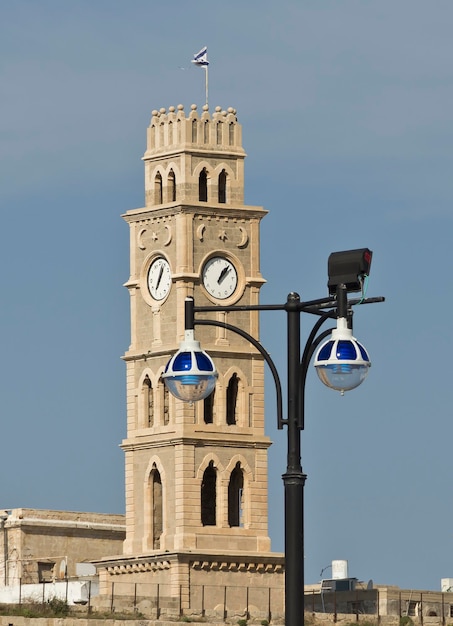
174,129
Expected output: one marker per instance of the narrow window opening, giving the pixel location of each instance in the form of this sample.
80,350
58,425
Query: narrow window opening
231,134
222,186
171,186
219,132
156,507
170,132
206,132
166,406
153,136
158,189
194,131
203,186
236,497
231,399
209,496
148,402
208,408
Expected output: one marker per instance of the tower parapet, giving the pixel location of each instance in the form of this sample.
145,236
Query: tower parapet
181,151
172,128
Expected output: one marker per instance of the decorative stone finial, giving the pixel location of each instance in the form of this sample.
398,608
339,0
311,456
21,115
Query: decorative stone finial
180,107
218,109
171,109
154,112
193,107
162,110
205,107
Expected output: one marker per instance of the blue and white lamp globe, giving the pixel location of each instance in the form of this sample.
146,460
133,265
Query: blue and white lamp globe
342,362
190,374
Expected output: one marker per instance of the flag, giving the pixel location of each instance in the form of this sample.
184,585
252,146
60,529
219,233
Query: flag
201,58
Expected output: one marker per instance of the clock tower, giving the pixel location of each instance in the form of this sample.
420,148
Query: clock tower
196,474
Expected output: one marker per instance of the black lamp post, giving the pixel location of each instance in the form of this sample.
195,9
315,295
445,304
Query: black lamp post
342,364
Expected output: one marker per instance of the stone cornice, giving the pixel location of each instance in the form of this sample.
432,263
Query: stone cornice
199,208
247,562
204,440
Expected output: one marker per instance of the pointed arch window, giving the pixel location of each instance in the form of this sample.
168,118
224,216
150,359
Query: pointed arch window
178,131
156,507
170,132
206,132
148,402
203,186
208,408
236,496
171,186
222,186
158,189
209,495
152,136
219,132
232,399
194,131
166,406
231,133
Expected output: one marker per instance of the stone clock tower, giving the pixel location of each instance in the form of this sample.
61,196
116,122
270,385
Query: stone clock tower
196,474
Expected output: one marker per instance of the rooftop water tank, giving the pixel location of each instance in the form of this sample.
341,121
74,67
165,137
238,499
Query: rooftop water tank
339,570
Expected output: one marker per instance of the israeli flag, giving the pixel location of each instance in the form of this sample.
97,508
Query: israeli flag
201,58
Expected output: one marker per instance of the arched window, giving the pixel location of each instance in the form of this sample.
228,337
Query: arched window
236,497
152,136
194,131
166,406
156,506
170,132
206,132
222,186
148,402
219,131
209,496
203,186
231,400
208,408
158,189
171,186
231,134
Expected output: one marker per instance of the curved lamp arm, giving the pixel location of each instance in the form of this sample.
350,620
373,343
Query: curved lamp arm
263,352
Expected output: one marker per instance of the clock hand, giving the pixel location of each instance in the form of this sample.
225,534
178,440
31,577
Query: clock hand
160,276
223,273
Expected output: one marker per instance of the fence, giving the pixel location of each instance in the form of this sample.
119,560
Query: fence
159,601
432,607
220,602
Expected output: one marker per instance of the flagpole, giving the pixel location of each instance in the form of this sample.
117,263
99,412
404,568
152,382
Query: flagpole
201,60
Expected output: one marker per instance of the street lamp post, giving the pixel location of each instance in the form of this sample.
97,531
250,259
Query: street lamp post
342,364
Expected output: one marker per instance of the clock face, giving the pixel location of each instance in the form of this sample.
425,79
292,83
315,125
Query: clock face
159,278
220,277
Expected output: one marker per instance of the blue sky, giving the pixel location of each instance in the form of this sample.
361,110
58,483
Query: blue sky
347,113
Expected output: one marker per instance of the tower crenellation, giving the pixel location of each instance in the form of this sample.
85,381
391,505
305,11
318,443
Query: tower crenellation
173,128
